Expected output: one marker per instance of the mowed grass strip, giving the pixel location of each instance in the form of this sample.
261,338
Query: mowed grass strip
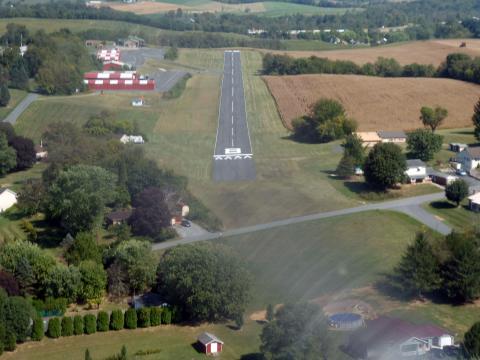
16,96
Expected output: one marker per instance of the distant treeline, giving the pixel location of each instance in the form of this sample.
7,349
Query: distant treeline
456,66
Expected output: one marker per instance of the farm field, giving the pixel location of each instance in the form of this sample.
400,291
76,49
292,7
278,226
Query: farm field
423,52
376,103
15,97
268,8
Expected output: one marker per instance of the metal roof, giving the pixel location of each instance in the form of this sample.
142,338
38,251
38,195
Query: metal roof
207,338
415,163
392,134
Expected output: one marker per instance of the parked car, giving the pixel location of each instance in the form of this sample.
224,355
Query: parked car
461,172
186,223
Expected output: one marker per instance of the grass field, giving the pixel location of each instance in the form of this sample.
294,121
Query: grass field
268,8
15,97
376,103
460,218
422,52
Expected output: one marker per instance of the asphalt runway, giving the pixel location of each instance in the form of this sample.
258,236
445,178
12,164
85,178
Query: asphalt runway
164,80
233,157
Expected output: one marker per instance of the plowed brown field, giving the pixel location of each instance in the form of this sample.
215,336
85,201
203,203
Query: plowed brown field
376,103
423,52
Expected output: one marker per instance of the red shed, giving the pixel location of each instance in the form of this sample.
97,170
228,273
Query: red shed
210,343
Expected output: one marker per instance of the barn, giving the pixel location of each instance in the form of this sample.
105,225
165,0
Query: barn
210,344
108,55
116,80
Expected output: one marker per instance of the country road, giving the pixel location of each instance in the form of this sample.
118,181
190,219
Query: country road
20,108
410,206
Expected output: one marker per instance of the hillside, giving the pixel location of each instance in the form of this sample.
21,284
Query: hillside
376,103
423,52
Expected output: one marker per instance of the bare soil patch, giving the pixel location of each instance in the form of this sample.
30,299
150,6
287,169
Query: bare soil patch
376,103
423,52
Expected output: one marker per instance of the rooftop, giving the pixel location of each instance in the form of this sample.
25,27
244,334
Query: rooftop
2,190
415,163
475,198
119,215
392,134
207,338
369,136
474,151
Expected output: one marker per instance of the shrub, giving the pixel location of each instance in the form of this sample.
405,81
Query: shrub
166,316
54,329
130,319
78,325
155,316
90,322
116,320
102,321
10,342
471,341
67,326
37,329
143,316
148,352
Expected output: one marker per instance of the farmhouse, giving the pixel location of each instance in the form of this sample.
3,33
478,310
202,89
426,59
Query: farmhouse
393,136
369,138
8,198
118,217
416,171
469,158
134,139
389,339
210,344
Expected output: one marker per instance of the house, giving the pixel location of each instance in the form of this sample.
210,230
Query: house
118,217
474,202
469,158
8,198
457,147
369,138
40,152
210,344
391,339
93,4
131,42
134,139
138,102
443,179
416,171
97,44
393,136
179,211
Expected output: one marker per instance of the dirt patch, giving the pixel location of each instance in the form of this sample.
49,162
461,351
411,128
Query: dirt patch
423,52
376,103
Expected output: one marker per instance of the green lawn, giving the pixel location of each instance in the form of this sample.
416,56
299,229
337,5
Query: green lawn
15,97
277,8
460,218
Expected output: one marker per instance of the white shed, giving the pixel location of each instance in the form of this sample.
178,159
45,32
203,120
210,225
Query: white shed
416,171
8,198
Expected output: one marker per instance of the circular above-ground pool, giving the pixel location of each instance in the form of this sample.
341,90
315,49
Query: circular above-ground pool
345,321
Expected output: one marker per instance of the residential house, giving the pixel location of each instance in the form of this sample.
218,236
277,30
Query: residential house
443,179
8,198
392,339
131,42
118,217
133,139
469,158
474,202
40,152
369,138
210,344
397,137
416,171
457,147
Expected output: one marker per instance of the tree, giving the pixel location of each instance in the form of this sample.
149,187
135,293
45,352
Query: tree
54,328
25,149
270,314
117,280
4,95
102,321
18,313
77,197
67,326
433,118
31,196
90,324
346,167
423,144
155,316
78,326
9,283
130,319
10,342
461,271
37,329
143,316
471,341
18,75
239,321
206,281
8,157
116,320
353,147
419,269
298,332
63,282
87,355
166,315
151,214
456,191
476,119
385,166
7,129
83,248
94,280
137,262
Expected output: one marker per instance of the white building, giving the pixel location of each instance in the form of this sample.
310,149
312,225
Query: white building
416,171
469,158
474,202
133,139
8,198
138,102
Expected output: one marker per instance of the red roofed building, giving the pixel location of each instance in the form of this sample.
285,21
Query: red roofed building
117,80
390,339
108,55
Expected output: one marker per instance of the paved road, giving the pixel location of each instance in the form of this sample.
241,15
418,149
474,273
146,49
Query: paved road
410,206
24,104
233,156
